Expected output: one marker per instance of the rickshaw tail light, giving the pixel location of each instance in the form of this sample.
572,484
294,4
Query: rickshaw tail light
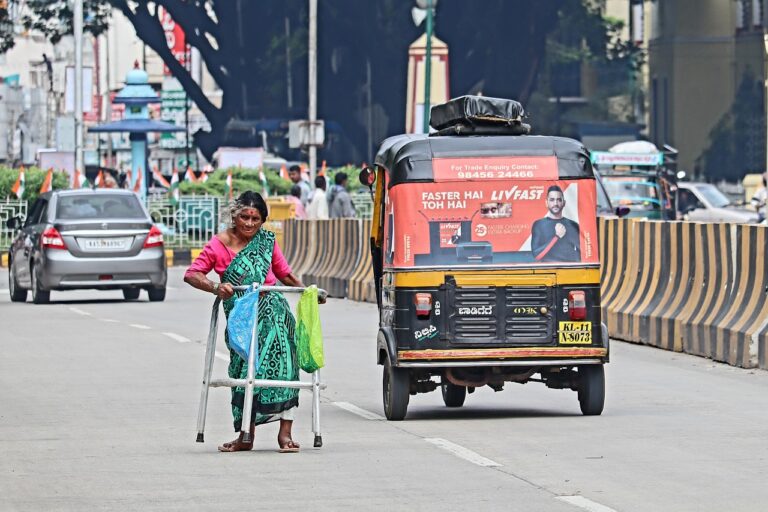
577,305
423,302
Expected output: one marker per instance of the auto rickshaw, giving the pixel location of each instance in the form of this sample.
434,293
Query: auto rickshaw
485,256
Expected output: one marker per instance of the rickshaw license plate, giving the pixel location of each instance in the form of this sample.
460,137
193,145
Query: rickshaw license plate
575,333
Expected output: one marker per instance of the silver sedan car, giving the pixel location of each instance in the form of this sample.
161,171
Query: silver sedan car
100,239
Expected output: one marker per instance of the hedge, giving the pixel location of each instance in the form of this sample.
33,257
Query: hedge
33,178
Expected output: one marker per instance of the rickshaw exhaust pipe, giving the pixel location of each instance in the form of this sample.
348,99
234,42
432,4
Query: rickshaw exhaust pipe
454,379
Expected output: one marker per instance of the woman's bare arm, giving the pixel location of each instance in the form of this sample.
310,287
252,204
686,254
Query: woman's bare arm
291,280
201,282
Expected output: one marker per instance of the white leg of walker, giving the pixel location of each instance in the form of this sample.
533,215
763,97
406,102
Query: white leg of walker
245,426
210,351
316,408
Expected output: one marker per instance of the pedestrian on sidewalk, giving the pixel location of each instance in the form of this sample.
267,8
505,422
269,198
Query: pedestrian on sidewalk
318,207
294,173
243,254
295,198
339,199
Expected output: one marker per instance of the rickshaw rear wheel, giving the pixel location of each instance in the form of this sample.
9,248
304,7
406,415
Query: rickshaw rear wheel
591,389
396,391
453,395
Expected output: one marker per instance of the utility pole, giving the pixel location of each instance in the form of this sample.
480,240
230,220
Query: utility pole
288,78
312,88
428,63
78,28
369,99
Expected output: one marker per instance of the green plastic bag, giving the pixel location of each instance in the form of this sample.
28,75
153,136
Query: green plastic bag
309,336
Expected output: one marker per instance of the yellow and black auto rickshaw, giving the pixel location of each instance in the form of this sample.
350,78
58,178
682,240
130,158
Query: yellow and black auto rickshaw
485,252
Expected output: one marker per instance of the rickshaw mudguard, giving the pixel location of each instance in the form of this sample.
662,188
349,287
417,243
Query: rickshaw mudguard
385,346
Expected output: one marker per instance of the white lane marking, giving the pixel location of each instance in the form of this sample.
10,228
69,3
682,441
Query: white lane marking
177,337
585,504
110,320
79,311
461,452
221,356
140,326
357,410
3,290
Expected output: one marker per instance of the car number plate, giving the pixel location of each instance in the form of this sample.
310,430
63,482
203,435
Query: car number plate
575,333
106,244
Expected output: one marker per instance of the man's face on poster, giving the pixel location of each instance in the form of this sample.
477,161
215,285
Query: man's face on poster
555,203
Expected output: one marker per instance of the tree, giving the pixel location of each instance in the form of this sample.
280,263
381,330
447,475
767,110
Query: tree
497,50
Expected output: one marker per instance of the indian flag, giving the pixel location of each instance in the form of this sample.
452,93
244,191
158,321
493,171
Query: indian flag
47,182
190,176
160,178
174,188
229,184
18,187
137,185
79,180
264,185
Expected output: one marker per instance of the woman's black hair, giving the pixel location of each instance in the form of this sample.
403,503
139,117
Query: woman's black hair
296,191
251,199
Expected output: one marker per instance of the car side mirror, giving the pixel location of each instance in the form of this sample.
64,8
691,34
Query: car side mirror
622,211
13,223
368,177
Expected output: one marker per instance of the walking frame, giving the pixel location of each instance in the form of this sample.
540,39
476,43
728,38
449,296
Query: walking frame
249,382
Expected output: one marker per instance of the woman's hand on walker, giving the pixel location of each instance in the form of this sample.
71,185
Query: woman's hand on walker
224,291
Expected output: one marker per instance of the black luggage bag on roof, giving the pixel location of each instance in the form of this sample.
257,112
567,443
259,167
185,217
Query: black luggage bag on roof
476,110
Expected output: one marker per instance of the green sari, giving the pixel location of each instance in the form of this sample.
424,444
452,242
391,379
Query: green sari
277,349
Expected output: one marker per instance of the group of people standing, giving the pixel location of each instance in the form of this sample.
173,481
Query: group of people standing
320,203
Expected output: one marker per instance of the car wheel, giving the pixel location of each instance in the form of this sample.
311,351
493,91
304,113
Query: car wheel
396,391
17,294
592,389
453,395
39,296
131,293
156,294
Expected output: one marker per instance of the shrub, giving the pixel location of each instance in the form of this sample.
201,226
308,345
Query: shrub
33,178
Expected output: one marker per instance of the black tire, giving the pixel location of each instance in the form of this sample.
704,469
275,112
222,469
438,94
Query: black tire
453,395
39,296
131,293
396,391
592,389
17,294
156,294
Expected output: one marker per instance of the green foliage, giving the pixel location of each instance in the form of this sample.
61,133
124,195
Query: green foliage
242,180
737,142
33,178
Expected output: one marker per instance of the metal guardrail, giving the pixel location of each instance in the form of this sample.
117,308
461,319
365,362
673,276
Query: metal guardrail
10,208
363,205
191,223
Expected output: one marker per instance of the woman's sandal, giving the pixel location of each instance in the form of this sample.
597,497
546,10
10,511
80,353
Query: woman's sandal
289,446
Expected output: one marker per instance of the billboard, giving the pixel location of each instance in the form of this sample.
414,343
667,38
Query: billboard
493,221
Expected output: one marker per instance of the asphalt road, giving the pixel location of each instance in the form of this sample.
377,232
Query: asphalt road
98,407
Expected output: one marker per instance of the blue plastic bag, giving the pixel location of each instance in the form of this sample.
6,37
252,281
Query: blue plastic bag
243,319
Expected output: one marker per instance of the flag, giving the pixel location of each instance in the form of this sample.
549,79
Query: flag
190,176
263,178
79,180
174,188
137,185
229,184
128,179
160,178
18,187
100,179
203,177
47,182
322,169
284,172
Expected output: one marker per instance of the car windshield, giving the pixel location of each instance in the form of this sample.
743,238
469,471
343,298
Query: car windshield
632,191
99,206
713,196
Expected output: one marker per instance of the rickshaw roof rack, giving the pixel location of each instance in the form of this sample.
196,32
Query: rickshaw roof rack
479,115
408,158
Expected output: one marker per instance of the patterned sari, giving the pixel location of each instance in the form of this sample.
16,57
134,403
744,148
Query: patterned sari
277,349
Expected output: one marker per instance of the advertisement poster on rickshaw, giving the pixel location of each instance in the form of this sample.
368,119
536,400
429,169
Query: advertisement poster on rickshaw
536,220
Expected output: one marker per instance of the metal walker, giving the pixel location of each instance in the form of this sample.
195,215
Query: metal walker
249,382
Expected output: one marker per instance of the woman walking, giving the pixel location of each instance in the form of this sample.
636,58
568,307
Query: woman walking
244,254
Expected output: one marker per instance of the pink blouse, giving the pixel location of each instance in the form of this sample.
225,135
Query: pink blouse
217,256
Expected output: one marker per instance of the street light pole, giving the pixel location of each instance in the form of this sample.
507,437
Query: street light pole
78,29
312,88
428,64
